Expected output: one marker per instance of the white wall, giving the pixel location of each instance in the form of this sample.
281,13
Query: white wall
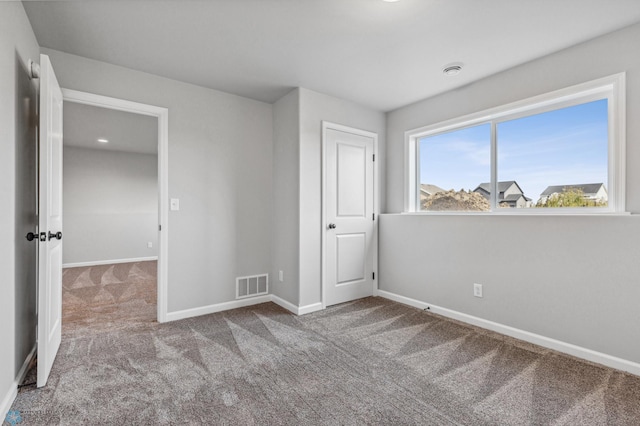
286,221
17,191
110,208
315,108
220,167
573,279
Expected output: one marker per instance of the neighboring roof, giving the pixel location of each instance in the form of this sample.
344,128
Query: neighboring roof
502,186
430,189
587,188
481,189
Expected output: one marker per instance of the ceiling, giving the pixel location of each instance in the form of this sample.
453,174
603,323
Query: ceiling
382,55
84,124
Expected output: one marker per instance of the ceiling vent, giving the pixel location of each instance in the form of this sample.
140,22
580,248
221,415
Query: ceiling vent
453,69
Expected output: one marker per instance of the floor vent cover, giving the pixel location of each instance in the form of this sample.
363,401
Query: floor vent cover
253,285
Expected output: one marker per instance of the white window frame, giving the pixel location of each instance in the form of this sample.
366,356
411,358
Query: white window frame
611,88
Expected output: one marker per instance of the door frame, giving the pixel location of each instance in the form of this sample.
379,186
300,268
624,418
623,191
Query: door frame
327,125
162,114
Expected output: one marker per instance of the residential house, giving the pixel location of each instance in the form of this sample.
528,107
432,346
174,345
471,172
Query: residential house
591,191
427,190
509,194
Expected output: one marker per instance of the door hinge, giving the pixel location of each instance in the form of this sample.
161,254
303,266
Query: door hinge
373,216
373,275
159,227
374,157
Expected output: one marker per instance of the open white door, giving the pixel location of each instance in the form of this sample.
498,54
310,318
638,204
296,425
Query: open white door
350,246
50,221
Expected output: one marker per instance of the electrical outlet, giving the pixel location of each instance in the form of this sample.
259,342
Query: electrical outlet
477,290
281,276
149,244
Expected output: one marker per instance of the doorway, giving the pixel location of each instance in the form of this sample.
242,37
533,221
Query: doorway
350,214
157,237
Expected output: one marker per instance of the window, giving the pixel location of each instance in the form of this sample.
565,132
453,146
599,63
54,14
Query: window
561,152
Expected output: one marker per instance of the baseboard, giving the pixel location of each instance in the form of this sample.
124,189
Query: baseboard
287,305
11,394
568,348
219,307
25,365
108,262
307,309
8,399
234,304
298,310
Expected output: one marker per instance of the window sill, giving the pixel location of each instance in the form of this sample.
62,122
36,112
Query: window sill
524,213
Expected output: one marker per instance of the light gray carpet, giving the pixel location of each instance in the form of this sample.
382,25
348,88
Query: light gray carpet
372,361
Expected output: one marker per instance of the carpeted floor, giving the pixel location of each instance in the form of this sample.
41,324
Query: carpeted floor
371,361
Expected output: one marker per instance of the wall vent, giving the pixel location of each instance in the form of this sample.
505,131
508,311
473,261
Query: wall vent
254,285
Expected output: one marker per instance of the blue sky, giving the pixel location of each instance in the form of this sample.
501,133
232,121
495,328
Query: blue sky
562,147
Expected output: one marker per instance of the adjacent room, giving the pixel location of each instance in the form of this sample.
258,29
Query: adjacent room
110,216
320,212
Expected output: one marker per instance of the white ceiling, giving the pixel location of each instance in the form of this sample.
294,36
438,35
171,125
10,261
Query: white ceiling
84,125
382,55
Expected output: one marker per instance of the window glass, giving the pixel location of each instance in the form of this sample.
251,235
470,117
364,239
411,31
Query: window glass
557,158
451,167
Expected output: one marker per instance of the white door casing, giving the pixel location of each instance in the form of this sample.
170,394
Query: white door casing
350,246
162,114
49,221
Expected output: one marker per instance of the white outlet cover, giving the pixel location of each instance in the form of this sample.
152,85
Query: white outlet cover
477,290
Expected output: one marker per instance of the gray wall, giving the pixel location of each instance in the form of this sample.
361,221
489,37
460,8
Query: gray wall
286,197
220,157
574,279
17,191
315,108
297,171
110,208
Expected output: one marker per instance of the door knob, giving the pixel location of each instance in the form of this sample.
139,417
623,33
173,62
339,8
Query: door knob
57,235
31,236
332,226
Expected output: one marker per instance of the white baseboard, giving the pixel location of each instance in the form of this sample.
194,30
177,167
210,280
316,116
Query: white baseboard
8,399
25,365
11,394
568,348
234,304
298,310
218,307
287,305
307,309
109,262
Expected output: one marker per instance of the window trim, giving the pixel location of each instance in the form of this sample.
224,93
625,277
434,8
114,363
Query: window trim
611,87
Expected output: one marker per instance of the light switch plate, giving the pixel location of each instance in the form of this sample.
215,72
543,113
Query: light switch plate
175,204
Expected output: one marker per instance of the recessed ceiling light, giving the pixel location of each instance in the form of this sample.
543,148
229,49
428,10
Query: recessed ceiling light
452,69
102,140
390,1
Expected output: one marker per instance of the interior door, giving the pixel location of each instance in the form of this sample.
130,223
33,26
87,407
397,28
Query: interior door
50,221
349,213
